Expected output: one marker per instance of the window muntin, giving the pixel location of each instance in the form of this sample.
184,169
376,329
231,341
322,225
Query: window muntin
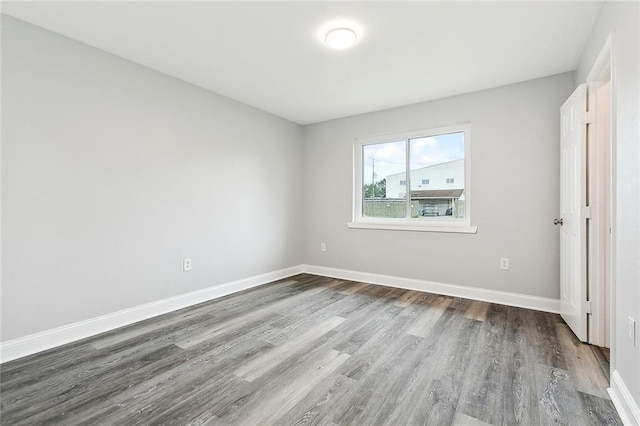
404,165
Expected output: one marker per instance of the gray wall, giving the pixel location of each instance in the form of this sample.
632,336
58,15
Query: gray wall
624,20
112,173
514,183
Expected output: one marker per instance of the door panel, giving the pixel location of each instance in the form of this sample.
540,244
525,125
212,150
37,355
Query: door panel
573,191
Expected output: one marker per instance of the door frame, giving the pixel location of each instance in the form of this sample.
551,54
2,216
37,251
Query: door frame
601,199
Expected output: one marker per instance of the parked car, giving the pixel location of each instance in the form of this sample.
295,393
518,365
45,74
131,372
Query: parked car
429,211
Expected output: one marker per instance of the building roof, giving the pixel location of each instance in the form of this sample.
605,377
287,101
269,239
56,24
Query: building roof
428,167
436,193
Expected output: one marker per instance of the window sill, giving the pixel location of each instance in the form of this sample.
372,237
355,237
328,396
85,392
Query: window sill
408,226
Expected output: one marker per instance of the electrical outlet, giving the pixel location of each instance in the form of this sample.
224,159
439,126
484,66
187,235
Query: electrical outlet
633,336
186,265
323,247
504,263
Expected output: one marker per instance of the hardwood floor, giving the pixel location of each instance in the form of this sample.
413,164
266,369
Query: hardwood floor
316,350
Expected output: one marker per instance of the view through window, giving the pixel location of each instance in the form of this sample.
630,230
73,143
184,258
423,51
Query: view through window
418,177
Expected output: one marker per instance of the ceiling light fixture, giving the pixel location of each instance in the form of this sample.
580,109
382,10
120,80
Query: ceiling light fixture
340,38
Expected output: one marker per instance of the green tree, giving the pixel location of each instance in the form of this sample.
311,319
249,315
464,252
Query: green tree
376,190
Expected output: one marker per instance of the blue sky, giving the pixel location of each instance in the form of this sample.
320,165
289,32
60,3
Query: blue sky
390,157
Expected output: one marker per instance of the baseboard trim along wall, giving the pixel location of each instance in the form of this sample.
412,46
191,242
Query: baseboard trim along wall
493,296
28,345
34,343
628,409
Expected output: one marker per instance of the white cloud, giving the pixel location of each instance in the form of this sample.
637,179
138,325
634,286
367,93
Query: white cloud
421,143
429,151
390,157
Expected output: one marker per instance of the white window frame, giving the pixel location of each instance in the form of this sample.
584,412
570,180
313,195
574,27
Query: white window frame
428,224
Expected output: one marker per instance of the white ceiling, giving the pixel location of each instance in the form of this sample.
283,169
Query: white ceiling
270,54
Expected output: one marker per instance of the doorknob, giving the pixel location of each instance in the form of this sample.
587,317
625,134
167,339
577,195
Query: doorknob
558,221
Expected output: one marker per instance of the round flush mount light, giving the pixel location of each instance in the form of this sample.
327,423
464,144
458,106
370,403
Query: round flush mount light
340,38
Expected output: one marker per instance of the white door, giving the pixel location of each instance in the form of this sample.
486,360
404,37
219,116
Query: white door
573,193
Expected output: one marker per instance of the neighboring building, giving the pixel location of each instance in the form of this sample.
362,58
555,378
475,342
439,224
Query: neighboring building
438,189
449,175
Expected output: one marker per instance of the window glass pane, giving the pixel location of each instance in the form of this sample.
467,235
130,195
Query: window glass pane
383,167
438,160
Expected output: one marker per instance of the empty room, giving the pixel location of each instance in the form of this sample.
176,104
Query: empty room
320,213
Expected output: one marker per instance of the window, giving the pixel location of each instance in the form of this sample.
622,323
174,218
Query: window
390,172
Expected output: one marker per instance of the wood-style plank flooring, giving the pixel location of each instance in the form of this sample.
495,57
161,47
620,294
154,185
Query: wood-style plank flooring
316,350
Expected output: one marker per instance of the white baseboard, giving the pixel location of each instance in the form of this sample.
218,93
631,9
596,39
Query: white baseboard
493,296
28,345
39,342
628,409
